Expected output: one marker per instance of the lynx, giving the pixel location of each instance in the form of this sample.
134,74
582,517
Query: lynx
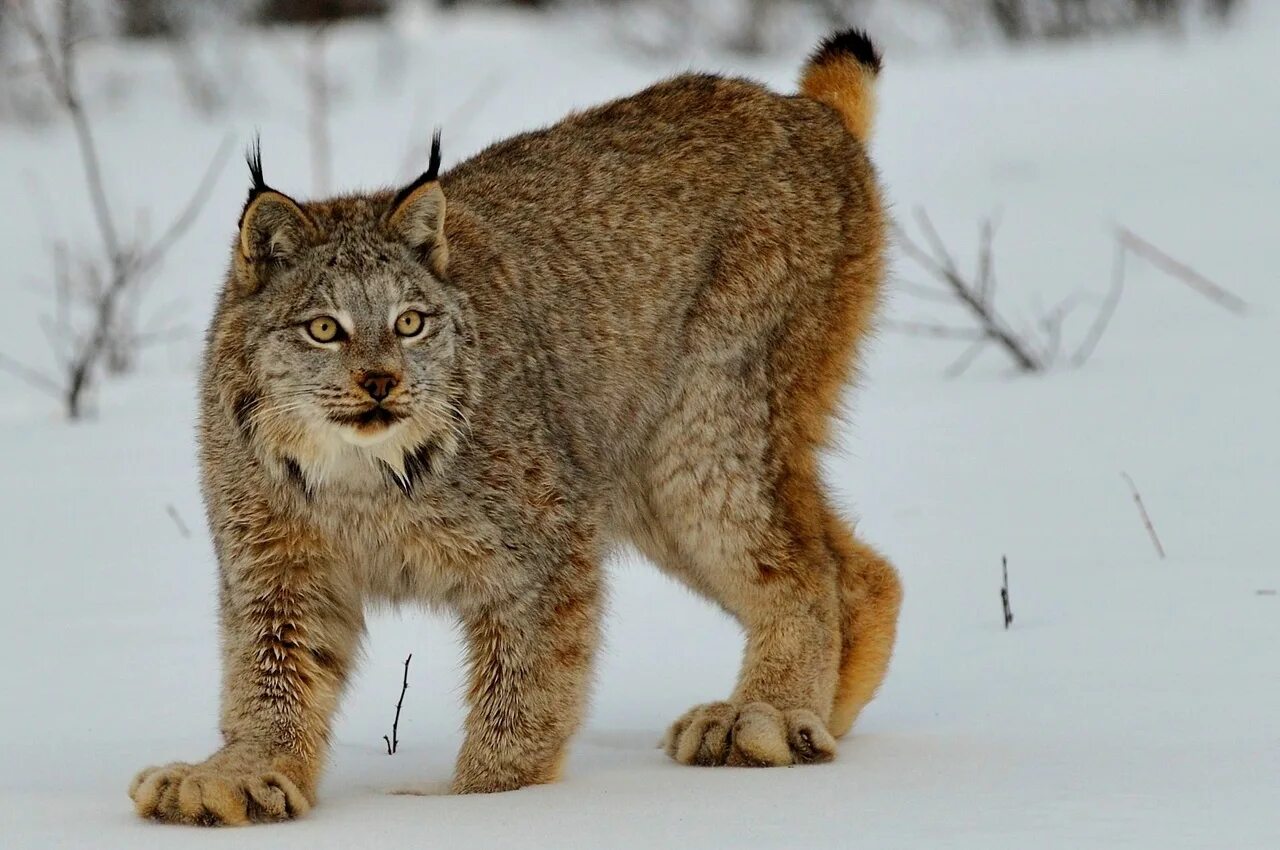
631,327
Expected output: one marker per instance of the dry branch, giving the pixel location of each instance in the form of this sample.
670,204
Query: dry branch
977,296
200,85
932,330
1108,309
966,358
110,282
1146,518
177,520
1181,271
319,97
1004,593
927,293
1035,348
33,377
186,217
393,743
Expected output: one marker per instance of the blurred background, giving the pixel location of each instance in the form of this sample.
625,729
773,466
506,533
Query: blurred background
120,116
1074,375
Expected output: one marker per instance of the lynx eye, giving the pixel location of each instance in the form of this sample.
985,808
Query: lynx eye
410,323
325,329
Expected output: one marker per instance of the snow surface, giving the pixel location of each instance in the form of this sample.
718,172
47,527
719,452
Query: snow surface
1134,701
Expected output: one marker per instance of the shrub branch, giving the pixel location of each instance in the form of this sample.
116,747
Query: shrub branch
393,743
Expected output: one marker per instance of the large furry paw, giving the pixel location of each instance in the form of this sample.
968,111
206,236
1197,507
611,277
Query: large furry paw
217,793
753,735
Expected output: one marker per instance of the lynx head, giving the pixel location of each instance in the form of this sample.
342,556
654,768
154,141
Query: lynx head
351,337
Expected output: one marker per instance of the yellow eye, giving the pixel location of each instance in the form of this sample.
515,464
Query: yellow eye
410,323
324,329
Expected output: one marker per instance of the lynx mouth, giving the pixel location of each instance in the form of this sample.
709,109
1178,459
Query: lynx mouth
373,418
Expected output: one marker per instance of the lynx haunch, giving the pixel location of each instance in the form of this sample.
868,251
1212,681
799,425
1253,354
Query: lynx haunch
631,327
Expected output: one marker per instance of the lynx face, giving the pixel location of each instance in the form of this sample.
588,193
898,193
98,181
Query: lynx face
357,343
354,343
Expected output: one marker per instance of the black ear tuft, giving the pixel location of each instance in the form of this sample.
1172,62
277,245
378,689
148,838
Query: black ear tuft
430,175
253,156
433,163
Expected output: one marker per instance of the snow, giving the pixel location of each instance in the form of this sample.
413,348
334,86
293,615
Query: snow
1133,702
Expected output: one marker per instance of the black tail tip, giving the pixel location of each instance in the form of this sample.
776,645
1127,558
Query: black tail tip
848,43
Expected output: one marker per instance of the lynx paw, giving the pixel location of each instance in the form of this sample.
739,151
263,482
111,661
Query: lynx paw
222,795
754,735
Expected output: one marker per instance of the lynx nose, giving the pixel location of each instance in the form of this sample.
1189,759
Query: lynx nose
378,384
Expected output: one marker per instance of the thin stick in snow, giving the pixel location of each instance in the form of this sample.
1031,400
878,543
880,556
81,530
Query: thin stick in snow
1105,312
1004,593
1146,517
393,743
977,296
1181,271
177,520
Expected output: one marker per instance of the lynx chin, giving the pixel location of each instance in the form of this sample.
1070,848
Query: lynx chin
632,327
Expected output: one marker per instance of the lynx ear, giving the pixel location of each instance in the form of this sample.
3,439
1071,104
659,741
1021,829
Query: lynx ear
272,227
416,213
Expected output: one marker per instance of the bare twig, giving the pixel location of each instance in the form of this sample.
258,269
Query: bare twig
1004,593
56,56
1051,325
200,85
393,743
932,330
941,256
177,520
34,377
966,358
319,93
925,292
1105,312
985,278
1034,346
976,296
1146,518
111,285
1181,271
190,211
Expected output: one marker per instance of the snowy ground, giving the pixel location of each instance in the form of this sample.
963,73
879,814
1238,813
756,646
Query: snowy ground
1133,703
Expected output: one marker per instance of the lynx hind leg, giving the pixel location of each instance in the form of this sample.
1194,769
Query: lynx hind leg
718,520
870,598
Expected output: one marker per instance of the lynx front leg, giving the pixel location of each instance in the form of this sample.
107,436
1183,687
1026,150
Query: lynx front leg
530,668
289,640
